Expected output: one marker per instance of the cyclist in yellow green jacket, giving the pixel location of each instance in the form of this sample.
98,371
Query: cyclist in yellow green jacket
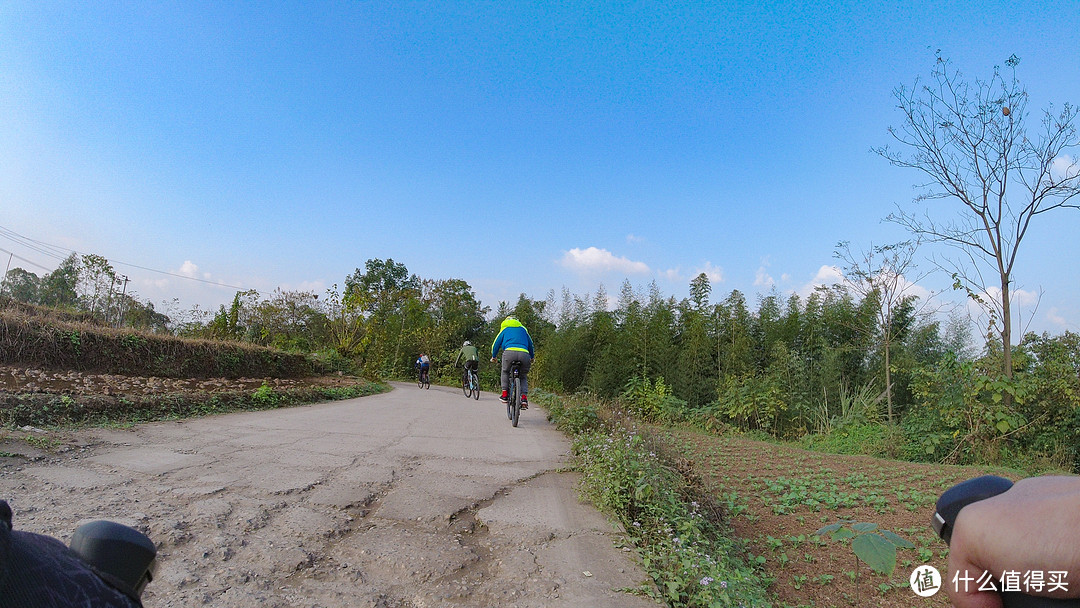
516,345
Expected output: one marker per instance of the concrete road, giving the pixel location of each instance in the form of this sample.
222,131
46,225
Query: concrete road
411,498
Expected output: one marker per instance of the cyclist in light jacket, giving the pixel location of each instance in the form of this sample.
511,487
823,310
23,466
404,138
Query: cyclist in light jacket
517,345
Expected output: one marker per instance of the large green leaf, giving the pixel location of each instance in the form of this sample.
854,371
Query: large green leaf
829,529
842,534
864,527
897,540
877,551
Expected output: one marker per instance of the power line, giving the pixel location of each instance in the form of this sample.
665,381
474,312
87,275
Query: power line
61,253
31,262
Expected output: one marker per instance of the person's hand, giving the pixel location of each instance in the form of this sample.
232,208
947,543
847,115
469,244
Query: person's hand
1034,527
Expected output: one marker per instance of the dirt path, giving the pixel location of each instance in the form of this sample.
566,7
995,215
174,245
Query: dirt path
411,498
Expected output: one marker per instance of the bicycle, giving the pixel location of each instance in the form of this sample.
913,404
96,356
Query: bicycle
513,404
470,384
423,380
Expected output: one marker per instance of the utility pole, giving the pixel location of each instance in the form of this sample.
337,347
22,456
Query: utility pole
120,317
3,282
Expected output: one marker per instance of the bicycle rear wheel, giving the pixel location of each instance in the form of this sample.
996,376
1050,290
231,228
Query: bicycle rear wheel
475,381
510,401
466,384
515,401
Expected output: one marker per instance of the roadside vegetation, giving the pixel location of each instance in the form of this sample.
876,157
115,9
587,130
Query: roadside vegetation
723,518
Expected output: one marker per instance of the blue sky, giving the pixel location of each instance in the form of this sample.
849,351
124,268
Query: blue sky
522,147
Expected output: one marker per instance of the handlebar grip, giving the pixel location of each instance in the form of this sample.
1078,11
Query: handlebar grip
120,554
973,490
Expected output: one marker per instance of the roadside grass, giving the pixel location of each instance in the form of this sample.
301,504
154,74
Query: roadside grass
67,411
759,503
677,528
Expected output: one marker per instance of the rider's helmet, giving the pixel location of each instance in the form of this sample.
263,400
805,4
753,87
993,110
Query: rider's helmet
467,343
511,318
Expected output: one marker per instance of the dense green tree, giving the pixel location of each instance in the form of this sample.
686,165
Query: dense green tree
736,337
694,379
660,330
22,286
59,287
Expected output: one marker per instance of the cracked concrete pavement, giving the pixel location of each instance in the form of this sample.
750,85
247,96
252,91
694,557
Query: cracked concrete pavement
407,499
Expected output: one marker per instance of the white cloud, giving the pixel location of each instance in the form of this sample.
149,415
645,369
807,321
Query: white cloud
826,275
1064,167
601,260
762,279
188,269
714,273
633,238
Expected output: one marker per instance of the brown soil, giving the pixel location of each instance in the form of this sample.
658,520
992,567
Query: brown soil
780,495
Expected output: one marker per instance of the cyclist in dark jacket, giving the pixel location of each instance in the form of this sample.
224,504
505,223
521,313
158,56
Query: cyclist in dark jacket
517,345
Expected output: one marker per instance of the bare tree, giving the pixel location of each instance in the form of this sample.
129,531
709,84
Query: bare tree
971,142
885,273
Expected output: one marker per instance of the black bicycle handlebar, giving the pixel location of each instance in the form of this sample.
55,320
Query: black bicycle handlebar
948,507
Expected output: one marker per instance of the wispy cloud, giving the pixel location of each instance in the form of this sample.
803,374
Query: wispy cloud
633,238
594,259
671,274
1054,316
762,278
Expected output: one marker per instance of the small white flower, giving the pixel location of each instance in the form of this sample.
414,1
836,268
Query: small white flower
707,580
